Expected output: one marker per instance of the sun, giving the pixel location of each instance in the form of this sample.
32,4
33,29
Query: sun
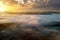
2,7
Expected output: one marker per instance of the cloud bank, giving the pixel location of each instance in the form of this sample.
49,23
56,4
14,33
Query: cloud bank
46,3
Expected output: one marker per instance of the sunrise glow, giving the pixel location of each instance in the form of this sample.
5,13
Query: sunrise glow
2,7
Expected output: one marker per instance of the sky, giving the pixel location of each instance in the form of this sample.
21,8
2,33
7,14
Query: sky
44,4
47,4
40,4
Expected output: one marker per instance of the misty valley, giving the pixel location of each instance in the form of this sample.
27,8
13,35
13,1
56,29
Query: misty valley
30,26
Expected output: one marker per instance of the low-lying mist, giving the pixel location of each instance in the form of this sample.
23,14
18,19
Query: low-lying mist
29,27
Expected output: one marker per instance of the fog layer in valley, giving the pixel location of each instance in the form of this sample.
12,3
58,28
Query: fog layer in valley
29,27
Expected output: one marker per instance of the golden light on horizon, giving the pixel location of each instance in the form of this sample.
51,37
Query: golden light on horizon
16,7
2,7
10,8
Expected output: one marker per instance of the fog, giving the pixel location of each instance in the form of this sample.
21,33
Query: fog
29,27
